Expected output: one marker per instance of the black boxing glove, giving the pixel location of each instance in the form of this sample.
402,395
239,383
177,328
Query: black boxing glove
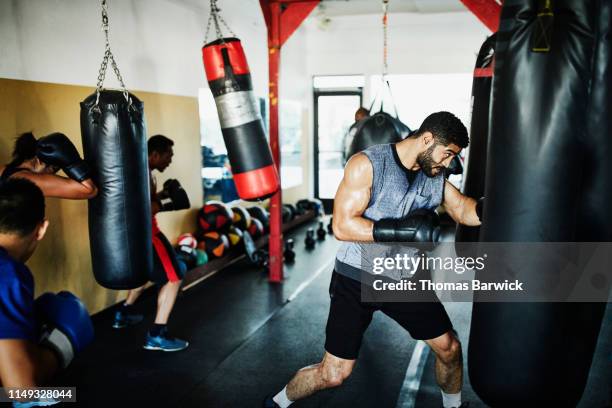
419,226
57,150
479,207
173,197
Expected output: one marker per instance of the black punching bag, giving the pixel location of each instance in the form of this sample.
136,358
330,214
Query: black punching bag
545,173
115,145
474,171
377,129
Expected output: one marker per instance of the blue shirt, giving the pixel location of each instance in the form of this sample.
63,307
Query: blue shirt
17,319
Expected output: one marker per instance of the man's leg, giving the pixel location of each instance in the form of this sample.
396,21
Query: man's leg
347,321
329,373
169,274
125,316
133,295
449,367
428,321
165,301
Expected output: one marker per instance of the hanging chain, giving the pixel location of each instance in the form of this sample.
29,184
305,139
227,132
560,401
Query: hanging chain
383,79
108,56
385,5
215,17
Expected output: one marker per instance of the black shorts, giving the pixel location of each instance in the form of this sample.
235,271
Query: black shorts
349,317
165,265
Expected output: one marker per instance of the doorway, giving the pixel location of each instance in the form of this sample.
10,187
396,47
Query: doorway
334,112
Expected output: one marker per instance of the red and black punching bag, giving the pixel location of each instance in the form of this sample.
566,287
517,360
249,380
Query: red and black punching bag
229,79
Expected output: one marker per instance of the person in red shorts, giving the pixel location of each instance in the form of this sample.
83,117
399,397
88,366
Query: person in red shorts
167,270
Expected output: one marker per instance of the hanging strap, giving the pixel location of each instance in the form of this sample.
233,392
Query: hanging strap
542,32
385,89
108,56
385,7
215,17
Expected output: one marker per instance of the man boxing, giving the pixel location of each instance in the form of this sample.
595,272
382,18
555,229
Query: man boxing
37,337
39,160
167,271
388,194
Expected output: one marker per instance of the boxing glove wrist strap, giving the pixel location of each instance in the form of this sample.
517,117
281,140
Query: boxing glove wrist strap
166,203
384,230
78,171
59,344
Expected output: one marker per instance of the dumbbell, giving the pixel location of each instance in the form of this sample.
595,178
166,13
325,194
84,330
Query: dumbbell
260,258
321,233
310,240
330,229
289,254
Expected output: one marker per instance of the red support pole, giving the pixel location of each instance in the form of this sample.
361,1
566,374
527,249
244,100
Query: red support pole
275,245
281,24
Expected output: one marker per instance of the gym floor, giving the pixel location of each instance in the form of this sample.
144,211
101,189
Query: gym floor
248,337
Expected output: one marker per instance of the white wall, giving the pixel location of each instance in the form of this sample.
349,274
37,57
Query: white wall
157,43
417,44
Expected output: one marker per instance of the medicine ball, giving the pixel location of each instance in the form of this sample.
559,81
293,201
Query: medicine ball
235,236
256,229
262,215
214,217
214,243
187,239
242,218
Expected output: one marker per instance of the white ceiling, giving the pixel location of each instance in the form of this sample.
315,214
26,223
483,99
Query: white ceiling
333,8
355,7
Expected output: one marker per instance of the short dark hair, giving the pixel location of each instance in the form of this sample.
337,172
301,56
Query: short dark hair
22,206
362,111
159,144
25,148
446,128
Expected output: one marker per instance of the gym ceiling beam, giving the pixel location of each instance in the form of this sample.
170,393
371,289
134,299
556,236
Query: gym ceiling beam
487,11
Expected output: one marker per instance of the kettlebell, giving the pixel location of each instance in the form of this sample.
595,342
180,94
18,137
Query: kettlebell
289,254
321,233
310,241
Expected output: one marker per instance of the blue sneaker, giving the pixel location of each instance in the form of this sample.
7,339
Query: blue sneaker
124,320
164,343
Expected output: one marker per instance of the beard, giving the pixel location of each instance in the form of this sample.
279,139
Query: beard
427,163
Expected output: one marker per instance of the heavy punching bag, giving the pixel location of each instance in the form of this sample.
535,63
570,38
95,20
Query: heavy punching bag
229,79
548,179
474,171
115,145
377,129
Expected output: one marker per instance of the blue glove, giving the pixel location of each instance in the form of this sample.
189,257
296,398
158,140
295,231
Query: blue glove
66,325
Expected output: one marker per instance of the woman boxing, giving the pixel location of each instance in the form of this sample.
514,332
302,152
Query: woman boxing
39,160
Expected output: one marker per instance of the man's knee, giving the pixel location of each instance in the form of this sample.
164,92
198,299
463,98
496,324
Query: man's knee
334,375
173,284
449,351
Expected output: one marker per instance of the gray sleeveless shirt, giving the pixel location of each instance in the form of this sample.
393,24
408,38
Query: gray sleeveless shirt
396,191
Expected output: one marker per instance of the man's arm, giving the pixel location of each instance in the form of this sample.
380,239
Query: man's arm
25,364
460,207
352,199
